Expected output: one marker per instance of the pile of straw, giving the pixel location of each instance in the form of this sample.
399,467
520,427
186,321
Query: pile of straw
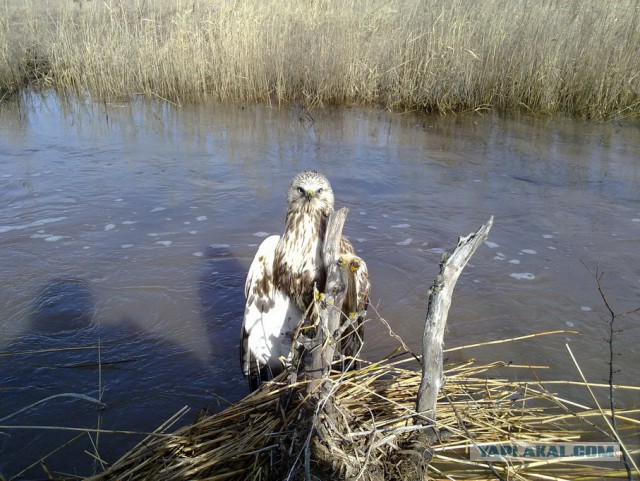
268,435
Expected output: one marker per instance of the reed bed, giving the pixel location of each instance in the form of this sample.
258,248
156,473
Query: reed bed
577,57
264,436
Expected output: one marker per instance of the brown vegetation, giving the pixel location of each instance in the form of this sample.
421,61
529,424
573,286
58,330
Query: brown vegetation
558,56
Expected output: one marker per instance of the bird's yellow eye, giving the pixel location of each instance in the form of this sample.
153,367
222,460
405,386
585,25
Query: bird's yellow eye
319,191
301,190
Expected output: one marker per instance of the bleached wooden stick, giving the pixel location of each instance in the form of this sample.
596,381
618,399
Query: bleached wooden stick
437,312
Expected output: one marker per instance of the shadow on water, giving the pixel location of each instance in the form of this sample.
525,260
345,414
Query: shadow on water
143,379
63,305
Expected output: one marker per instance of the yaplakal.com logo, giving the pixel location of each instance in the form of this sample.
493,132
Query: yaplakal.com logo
522,451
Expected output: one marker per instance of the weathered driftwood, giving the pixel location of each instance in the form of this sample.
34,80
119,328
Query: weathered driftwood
319,408
330,308
437,312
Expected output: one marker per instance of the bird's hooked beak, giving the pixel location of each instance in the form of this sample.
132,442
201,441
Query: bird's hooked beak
309,195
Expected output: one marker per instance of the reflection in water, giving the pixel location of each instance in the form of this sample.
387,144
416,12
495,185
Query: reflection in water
143,218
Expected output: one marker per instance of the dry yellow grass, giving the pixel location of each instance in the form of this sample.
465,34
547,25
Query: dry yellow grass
578,57
372,437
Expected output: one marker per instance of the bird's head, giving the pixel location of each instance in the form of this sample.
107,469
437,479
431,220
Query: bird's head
310,191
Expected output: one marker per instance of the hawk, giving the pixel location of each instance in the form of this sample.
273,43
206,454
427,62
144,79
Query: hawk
280,284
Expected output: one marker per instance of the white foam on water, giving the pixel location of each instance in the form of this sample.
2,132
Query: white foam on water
261,234
53,238
86,247
585,309
514,261
129,222
6,176
36,223
126,246
361,239
405,242
119,200
198,254
157,209
187,223
547,236
165,243
437,250
551,247
201,218
109,227
193,232
153,234
527,276
400,226
372,227
39,235
491,245
385,215
569,324
362,212
219,246
635,220
528,251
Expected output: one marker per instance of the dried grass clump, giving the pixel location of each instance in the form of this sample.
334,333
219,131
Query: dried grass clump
574,57
266,435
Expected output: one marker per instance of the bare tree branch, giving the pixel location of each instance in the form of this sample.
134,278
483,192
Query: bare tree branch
437,312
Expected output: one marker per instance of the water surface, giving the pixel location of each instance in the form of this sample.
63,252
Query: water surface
126,230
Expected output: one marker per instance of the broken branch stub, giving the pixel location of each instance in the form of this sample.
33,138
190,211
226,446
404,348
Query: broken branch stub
437,312
330,308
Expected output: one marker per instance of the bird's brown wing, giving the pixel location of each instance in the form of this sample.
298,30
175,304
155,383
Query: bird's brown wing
270,316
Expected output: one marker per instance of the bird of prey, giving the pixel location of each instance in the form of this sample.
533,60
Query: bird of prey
280,283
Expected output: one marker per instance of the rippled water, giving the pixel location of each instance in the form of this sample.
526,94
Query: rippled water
126,231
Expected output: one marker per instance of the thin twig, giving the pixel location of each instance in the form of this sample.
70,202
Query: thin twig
612,331
613,431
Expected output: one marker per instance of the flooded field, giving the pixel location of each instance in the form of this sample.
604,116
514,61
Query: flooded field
127,229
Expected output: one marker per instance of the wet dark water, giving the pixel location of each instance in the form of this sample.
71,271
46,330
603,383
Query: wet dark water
126,231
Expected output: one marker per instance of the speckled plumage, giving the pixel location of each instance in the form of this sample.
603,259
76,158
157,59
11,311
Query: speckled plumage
280,282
